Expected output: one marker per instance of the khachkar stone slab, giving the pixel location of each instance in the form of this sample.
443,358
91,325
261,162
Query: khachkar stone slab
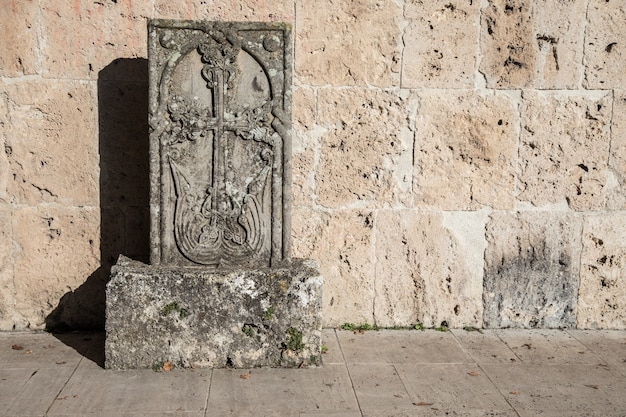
220,111
198,318
221,289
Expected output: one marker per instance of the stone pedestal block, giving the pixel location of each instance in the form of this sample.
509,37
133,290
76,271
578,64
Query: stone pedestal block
194,317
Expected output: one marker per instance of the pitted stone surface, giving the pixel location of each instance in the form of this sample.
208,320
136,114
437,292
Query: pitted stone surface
506,28
531,270
605,45
558,26
349,43
364,162
305,149
7,285
193,317
19,41
68,49
616,181
51,154
445,55
244,10
465,150
533,43
602,294
56,248
344,238
437,276
564,149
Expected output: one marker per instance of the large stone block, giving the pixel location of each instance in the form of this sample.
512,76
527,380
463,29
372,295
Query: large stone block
532,269
558,37
56,250
19,42
564,149
349,43
605,45
50,143
440,44
508,54
616,181
193,317
532,43
465,151
343,242
5,152
429,268
80,38
305,149
365,158
602,294
242,10
7,283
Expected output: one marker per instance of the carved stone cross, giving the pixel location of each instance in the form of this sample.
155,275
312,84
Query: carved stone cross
219,123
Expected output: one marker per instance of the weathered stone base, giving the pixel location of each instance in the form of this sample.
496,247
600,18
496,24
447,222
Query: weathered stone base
193,317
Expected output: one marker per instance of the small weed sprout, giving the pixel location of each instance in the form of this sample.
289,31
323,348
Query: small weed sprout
294,342
472,329
174,307
248,330
359,327
269,313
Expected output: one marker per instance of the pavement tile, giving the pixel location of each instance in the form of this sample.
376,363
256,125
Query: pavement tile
122,414
333,353
401,346
30,392
430,411
138,391
378,386
547,347
485,346
284,390
609,345
21,350
565,389
251,413
454,388
569,413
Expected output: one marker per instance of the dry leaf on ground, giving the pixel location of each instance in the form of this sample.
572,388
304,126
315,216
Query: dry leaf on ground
168,366
473,373
245,376
17,347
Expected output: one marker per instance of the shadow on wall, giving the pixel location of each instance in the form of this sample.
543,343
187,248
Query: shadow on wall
534,288
124,189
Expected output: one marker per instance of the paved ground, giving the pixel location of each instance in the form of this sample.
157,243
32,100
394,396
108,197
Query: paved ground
371,374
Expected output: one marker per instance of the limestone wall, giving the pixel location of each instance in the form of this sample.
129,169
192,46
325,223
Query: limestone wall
460,161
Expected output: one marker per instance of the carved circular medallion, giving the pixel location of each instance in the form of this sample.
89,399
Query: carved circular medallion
271,43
